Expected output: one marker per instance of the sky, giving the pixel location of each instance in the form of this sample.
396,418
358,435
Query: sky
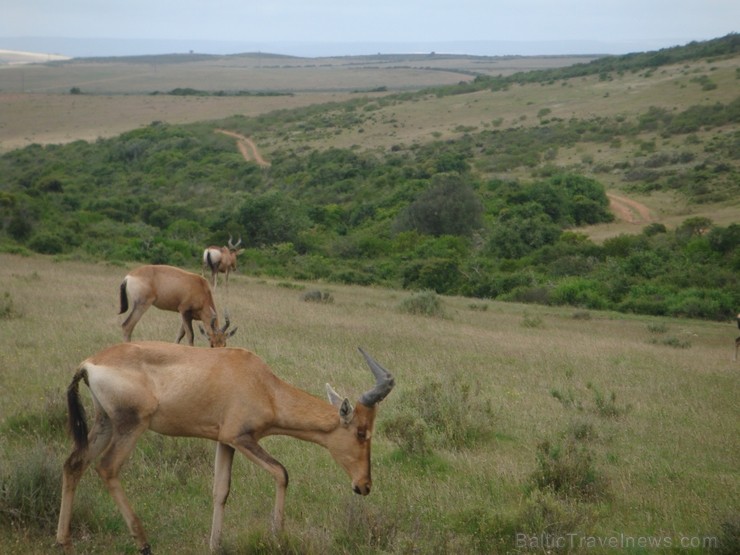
318,27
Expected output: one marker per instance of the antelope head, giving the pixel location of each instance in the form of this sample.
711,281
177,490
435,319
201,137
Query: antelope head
217,336
349,445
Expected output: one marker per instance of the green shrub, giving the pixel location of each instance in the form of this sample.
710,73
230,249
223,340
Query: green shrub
672,341
409,433
8,309
582,292
568,470
426,303
529,321
607,406
450,415
316,296
729,536
30,488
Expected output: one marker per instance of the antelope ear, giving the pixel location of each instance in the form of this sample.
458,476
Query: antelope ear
334,397
232,332
346,410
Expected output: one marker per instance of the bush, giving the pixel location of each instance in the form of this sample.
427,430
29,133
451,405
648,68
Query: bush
426,303
29,489
449,207
47,243
568,470
316,296
581,292
437,274
8,309
450,415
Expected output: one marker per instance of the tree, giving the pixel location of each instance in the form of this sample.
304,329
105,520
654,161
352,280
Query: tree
520,230
270,219
449,207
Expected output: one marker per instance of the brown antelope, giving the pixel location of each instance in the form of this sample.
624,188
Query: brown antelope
170,288
737,341
221,260
227,395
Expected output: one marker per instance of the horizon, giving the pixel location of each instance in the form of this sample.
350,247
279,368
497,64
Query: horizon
114,47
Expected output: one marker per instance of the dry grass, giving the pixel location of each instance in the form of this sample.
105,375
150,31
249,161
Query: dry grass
668,456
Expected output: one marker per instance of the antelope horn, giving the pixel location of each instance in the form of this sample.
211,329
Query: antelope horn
384,382
230,245
227,321
213,321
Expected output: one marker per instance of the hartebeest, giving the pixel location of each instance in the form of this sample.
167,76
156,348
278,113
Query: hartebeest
170,288
227,395
221,260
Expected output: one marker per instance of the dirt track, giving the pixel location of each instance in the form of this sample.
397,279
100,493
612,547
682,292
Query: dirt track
246,146
629,210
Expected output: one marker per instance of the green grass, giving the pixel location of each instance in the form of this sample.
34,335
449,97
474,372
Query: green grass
640,437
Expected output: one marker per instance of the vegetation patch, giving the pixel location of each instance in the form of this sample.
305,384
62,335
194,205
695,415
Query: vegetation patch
317,296
8,308
426,303
449,414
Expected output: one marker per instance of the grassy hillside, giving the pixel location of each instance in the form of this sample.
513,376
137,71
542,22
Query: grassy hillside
508,424
498,187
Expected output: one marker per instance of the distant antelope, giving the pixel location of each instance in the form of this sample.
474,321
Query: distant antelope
737,341
221,260
227,395
170,288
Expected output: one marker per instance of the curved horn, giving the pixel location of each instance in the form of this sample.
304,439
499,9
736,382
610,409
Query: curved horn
232,247
227,321
384,382
239,242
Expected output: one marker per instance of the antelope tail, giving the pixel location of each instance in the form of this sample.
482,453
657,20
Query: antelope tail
211,264
77,416
124,298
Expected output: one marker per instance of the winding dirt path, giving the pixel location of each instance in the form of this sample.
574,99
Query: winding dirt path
246,146
629,210
624,208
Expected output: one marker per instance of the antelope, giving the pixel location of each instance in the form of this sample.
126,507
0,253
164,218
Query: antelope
737,340
226,395
170,288
221,260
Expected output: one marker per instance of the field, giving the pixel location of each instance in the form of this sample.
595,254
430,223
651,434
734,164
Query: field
118,93
512,428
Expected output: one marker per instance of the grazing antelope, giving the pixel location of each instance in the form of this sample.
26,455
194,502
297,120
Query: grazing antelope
227,395
221,260
170,288
737,341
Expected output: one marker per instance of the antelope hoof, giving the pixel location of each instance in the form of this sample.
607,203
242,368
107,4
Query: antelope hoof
146,550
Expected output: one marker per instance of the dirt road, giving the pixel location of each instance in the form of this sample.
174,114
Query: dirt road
629,210
246,146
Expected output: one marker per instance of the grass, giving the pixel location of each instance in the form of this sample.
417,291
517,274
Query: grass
647,432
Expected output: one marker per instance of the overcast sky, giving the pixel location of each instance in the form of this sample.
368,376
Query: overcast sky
620,25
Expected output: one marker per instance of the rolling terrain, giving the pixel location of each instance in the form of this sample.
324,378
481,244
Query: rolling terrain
526,417
118,94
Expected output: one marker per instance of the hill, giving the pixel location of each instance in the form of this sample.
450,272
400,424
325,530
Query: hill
490,187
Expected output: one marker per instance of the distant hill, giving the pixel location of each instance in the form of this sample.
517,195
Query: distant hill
84,48
14,57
